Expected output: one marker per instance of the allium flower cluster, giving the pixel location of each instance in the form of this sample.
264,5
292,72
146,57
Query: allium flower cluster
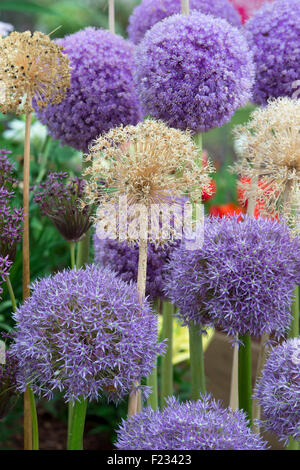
31,67
241,279
8,384
199,425
59,199
84,332
5,265
102,93
6,170
193,72
150,12
274,37
148,166
270,154
123,257
278,391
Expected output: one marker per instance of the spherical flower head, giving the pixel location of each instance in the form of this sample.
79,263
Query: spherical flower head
193,72
271,155
274,37
7,169
102,93
146,169
8,384
278,391
59,199
241,279
123,257
198,425
5,265
32,67
247,8
150,12
85,333
11,226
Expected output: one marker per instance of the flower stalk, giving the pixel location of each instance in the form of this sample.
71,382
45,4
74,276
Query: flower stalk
245,376
167,364
75,437
196,361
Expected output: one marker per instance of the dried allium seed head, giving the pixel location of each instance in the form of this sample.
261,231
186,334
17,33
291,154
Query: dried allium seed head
149,164
271,153
31,67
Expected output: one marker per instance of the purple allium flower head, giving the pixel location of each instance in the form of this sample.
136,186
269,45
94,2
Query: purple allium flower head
5,265
8,384
273,35
193,72
150,12
59,199
102,94
85,333
278,391
242,279
198,425
123,257
6,169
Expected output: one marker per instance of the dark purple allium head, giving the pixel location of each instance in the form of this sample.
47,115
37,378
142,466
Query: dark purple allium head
5,265
273,35
198,425
102,94
11,227
8,384
85,333
278,391
242,279
59,198
150,12
123,257
7,169
193,72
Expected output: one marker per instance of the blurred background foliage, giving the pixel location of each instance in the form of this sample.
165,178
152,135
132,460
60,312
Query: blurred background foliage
49,252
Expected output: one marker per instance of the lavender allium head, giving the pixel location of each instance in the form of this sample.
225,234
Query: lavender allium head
123,257
150,12
85,333
5,265
8,384
274,37
278,391
242,279
193,72
7,169
102,93
199,425
59,199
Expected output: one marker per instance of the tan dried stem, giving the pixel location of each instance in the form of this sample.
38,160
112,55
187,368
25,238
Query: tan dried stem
111,15
185,7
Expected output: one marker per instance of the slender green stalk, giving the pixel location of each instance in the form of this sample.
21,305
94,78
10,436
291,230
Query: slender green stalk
72,254
35,428
11,294
166,363
152,382
293,445
294,328
196,361
75,438
83,250
245,376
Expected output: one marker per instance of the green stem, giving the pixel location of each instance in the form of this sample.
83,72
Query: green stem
293,445
11,294
75,438
152,382
83,250
166,363
245,376
294,328
196,361
35,428
72,254
70,421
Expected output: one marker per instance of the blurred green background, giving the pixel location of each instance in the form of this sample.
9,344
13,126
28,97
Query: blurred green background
49,251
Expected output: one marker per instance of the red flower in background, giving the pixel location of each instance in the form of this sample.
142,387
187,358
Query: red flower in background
226,210
247,8
212,186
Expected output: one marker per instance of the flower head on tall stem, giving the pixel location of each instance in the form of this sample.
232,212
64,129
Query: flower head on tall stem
31,67
150,165
84,332
278,391
271,155
59,199
242,279
199,425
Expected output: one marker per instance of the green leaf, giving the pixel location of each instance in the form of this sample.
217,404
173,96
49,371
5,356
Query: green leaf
25,6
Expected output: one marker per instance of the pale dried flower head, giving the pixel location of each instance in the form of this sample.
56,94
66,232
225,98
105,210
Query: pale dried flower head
149,164
270,154
31,67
